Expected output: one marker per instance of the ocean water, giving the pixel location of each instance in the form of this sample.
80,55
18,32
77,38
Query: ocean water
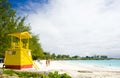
109,63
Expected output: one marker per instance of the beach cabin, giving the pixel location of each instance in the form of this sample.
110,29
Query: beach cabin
18,56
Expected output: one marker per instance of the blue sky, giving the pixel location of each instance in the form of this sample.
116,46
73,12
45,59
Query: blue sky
17,3
74,27
21,5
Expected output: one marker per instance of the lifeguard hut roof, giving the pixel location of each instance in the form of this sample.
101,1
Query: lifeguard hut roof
21,35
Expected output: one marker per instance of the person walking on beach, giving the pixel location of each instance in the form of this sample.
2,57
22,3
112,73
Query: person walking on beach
47,62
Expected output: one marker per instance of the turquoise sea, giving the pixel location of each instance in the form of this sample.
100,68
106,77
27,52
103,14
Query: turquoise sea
109,63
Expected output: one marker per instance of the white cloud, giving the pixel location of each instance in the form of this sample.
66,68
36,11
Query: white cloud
78,27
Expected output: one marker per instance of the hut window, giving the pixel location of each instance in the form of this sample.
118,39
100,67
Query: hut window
12,52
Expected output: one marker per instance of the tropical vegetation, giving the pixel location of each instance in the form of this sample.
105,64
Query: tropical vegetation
53,56
11,23
8,73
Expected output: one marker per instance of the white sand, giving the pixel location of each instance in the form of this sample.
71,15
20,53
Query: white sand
79,70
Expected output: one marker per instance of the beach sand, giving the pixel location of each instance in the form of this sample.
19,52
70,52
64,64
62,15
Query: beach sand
79,70
75,70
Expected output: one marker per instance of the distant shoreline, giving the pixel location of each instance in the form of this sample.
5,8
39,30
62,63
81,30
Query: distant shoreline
105,63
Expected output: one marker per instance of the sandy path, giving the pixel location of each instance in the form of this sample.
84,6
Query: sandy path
79,70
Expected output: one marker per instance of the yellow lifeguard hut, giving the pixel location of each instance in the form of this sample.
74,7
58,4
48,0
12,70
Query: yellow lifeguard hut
19,54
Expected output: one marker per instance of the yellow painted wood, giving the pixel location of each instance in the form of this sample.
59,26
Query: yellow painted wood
35,66
21,35
19,53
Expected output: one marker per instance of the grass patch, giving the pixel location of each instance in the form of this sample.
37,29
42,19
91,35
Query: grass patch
24,74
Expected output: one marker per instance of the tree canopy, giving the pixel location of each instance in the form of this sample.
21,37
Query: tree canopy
11,23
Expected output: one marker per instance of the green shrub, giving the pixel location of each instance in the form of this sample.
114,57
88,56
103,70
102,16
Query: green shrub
44,76
24,74
57,75
64,75
28,74
54,75
8,71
